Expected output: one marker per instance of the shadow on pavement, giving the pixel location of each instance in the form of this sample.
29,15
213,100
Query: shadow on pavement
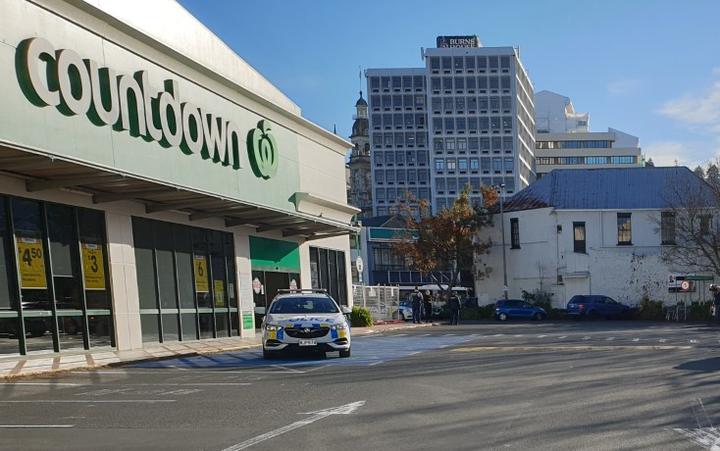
704,365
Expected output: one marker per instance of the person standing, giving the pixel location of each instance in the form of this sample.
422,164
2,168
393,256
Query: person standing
454,304
716,301
416,299
427,304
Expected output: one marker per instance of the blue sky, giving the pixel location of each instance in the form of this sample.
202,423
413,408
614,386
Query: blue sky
650,68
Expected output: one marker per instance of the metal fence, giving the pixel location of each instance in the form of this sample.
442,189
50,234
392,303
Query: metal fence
382,302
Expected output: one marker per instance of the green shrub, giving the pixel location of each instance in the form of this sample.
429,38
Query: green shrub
361,317
651,310
699,311
539,298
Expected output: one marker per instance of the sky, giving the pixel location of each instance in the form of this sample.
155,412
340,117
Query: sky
650,68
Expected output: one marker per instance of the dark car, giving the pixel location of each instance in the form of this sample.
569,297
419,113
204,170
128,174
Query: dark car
596,306
515,308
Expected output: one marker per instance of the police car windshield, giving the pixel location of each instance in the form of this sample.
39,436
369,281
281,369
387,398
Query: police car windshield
302,305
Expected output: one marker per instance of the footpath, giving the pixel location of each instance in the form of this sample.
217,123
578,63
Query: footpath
12,367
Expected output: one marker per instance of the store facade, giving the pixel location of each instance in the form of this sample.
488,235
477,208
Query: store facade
153,186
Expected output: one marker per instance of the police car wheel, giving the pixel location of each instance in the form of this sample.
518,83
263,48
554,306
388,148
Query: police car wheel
345,353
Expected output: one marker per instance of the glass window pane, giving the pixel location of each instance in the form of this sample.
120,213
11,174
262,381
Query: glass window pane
71,331
221,324
149,327
9,343
101,330
144,263
183,257
165,264
170,327
189,326
206,325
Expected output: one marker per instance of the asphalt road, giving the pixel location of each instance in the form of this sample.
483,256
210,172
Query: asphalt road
566,385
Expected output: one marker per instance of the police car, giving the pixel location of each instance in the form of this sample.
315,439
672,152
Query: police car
305,320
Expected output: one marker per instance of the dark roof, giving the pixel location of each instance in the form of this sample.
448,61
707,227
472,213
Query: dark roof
612,189
360,127
361,101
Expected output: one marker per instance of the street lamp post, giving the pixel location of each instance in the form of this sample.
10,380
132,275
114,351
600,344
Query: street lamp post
502,231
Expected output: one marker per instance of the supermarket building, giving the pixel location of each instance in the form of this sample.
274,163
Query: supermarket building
154,187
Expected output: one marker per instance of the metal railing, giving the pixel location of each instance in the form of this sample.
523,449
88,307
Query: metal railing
382,302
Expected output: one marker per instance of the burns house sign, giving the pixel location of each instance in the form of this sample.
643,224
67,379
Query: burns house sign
77,86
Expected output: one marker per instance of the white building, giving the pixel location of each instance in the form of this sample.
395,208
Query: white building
467,117
587,232
564,140
154,187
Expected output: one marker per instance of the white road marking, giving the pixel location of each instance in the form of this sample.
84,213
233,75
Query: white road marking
542,336
449,335
498,335
662,340
517,336
35,426
586,337
610,338
424,335
414,353
636,339
376,363
86,401
400,335
707,437
346,409
562,337
693,341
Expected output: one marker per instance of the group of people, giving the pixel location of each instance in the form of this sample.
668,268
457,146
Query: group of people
422,307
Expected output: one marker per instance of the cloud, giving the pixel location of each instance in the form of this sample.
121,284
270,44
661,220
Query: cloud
624,86
690,154
701,111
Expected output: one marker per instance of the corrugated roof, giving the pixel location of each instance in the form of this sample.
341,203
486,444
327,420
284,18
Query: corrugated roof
611,189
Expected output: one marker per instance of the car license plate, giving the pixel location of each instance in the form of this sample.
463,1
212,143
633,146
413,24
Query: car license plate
308,343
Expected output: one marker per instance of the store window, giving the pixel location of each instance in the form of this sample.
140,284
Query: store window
327,271
53,258
186,282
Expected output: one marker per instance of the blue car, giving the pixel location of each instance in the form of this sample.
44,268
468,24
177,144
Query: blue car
595,306
514,308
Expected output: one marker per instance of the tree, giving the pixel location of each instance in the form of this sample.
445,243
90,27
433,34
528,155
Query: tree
447,242
700,172
649,163
691,222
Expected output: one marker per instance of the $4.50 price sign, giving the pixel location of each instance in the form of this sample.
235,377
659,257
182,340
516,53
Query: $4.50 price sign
31,263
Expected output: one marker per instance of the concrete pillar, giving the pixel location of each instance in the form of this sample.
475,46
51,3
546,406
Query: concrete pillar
244,282
123,279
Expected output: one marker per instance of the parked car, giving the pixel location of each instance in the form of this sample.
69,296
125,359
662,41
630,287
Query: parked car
404,311
515,308
596,306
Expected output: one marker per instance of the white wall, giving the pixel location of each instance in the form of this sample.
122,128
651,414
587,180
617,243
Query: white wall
625,273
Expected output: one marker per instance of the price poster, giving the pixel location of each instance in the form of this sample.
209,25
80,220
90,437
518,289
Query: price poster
93,266
31,263
219,293
201,274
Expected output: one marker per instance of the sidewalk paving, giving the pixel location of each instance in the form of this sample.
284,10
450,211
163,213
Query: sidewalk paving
46,363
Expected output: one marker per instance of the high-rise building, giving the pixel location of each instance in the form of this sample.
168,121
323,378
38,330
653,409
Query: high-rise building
466,118
564,140
360,183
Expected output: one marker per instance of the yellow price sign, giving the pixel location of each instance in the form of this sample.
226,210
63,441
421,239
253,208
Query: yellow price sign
219,293
31,263
201,274
93,266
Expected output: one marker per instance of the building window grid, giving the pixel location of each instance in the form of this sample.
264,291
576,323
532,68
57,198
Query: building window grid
514,233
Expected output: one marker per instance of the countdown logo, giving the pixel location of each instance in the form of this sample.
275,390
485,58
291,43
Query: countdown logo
262,150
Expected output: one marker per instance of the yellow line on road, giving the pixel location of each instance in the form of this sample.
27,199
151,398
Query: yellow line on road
570,348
